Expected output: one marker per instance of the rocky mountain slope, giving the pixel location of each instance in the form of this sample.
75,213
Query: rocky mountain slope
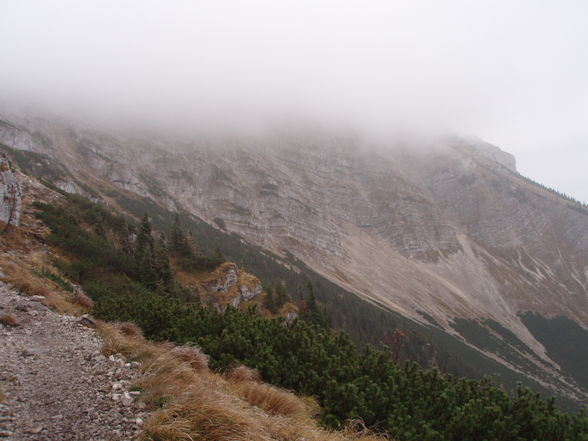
443,231
64,375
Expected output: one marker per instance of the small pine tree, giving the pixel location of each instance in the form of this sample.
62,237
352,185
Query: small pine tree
310,297
161,266
145,269
218,254
144,238
312,312
193,245
281,294
179,244
144,254
269,301
100,232
127,243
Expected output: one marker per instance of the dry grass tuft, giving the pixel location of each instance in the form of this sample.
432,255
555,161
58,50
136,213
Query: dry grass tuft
191,355
8,320
242,373
129,329
83,300
196,404
133,347
273,400
19,271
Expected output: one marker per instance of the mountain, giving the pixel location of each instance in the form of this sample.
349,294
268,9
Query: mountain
440,233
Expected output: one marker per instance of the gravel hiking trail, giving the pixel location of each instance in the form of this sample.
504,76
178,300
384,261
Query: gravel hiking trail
55,385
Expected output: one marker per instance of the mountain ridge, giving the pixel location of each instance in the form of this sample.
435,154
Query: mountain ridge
448,232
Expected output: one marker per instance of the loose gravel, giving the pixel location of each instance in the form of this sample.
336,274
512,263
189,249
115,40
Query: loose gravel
55,385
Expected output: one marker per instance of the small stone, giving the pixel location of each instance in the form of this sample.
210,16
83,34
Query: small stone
139,421
126,399
37,298
36,306
116,397
135,393
35,430
116,386
87,322
5,433
30,352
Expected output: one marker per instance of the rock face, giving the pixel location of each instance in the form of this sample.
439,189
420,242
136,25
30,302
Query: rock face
445,230
494,154
10,194
226,285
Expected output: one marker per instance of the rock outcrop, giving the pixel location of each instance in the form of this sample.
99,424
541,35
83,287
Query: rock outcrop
10,194
226,285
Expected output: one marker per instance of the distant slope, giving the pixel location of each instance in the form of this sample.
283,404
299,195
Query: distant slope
91,245
445,239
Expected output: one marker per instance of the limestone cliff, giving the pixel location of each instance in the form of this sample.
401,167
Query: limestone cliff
10,194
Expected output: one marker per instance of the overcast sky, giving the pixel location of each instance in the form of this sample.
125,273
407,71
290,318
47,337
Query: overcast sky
512,72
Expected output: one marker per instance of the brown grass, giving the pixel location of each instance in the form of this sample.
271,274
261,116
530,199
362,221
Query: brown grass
191,355
8,320
83,300
129,329
242,373
273,400
196,404
21,272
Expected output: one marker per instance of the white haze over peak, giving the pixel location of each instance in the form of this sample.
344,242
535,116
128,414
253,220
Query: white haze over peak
514,73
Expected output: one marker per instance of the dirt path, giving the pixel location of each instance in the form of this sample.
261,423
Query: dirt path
56,384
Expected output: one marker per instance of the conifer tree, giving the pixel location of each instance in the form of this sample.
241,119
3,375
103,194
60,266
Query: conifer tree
179,243
126,240
144,239
281,294
100,232
145,269
193,245
269,301
312,312
144,254
162,268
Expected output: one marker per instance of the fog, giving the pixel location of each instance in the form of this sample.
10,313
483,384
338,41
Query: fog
512,73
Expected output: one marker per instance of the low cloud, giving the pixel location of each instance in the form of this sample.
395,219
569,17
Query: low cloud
513,73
